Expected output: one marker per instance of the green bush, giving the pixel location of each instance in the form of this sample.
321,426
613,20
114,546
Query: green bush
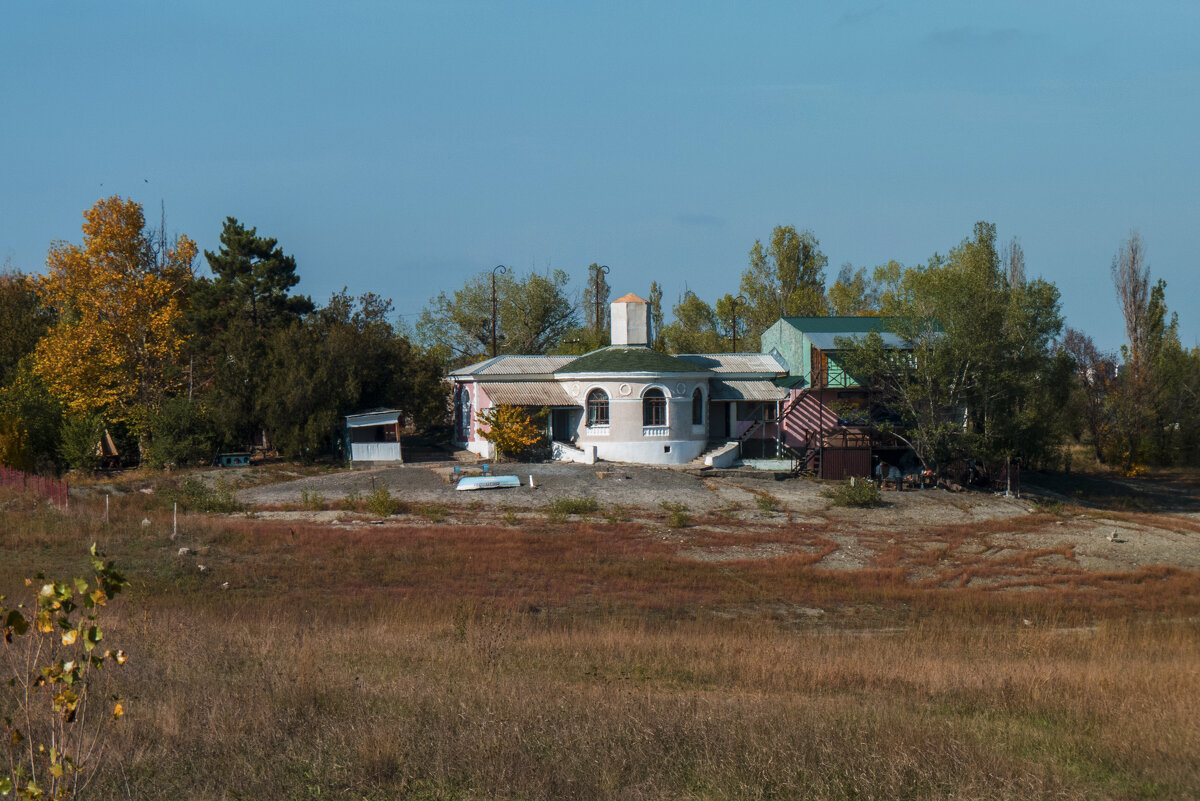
351,502
767,502
561,508
313,501
678,517
81,442
618,514
194,495
434,513
380,502
180,435
861,494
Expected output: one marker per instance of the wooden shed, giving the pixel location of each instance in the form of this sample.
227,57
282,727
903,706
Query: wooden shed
374,436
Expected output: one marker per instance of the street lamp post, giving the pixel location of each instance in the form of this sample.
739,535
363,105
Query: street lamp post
501,269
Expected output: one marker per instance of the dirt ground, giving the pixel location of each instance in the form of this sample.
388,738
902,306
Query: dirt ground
970,527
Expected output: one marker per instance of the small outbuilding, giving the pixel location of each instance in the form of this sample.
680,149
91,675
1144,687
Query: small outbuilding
374,436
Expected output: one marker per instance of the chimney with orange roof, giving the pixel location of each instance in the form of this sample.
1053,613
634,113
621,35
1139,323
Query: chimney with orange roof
630,321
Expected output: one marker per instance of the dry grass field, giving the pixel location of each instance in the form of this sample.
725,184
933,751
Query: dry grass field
515,653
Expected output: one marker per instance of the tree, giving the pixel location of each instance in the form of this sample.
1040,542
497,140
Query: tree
1095,373
980,379
512,429
1148,404
594,304
343,358
694,329
181,434
34,418
785,279
1131,278
23,321
535,316
231,318
252,276
117,342
854,293
656,317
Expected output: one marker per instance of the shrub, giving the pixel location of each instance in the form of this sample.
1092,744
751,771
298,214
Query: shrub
859,495
352,501
57,691
434,513
767,502
194,495
561,508
80,446
313,501
512,430
618,514
180,435
678,517
380,502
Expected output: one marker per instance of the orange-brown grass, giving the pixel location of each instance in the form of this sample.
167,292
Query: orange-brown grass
593,661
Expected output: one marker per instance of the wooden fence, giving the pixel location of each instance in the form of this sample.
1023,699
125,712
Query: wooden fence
51,489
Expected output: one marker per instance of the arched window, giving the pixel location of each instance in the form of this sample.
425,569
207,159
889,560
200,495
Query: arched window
697,407
597,408
654,408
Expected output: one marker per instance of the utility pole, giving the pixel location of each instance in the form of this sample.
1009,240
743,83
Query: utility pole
601,271
733,314
501,269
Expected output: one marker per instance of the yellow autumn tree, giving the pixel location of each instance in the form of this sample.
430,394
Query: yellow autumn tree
116,346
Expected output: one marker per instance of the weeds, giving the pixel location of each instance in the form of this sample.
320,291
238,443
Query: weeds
351,502
510,516
857,495
678,514
561,508
1049,506
312,501
617,514
194,495
767,502
434,513
380,502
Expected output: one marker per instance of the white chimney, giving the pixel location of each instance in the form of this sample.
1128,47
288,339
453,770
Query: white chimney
630,321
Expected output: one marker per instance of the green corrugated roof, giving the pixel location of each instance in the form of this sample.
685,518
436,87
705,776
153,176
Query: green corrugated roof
617,359
838,325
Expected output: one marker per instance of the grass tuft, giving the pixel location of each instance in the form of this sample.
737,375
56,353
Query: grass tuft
678,514
859,495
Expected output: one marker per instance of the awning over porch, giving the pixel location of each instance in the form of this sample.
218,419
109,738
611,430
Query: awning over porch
527,393
746,391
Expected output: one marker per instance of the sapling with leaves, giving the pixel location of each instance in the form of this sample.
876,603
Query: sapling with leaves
56,701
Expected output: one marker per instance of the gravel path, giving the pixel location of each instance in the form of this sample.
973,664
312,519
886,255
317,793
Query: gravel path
1098,541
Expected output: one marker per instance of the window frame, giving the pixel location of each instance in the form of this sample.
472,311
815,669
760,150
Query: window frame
593,406
654,405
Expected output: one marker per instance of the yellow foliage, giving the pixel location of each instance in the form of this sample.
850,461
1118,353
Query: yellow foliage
117,343
510,428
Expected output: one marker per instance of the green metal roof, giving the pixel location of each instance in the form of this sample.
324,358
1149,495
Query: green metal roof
619,359
838,325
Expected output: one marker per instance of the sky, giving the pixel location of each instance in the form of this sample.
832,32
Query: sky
403,147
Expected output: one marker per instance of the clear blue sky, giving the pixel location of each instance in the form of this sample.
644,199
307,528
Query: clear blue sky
402,147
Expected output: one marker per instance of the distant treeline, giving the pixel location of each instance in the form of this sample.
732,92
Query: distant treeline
120,334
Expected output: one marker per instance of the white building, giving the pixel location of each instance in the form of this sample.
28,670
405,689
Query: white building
626,402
